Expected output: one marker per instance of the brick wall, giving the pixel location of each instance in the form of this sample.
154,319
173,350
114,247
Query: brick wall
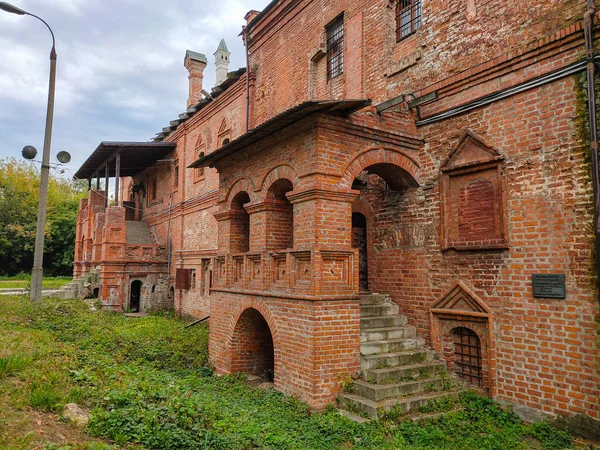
481,200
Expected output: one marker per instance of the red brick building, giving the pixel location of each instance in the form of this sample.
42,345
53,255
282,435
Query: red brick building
436,151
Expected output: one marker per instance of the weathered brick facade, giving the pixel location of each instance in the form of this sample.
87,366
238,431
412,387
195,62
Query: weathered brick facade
374,181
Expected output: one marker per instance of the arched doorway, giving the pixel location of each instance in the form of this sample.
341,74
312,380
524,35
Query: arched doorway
252,346
135,293
359,241
383,221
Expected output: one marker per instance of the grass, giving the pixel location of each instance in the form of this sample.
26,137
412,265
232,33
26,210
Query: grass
23,281
147,384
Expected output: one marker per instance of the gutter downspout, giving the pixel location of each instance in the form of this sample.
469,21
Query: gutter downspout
245,39
169,240
588,21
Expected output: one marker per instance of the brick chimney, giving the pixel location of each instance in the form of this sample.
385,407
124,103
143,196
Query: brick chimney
249,17
195,64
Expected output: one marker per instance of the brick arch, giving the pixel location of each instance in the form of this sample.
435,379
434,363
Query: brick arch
242,184
259,306
360,206
379,155
283,171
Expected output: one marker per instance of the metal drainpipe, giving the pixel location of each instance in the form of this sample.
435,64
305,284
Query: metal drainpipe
588,21
245,39
169,240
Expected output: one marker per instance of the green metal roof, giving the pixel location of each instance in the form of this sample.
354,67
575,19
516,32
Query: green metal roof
196,56
222,46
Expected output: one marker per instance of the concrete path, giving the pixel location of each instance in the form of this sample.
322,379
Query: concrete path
23,291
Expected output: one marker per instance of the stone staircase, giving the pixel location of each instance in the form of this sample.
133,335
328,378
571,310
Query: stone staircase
81,286
137,233
398,373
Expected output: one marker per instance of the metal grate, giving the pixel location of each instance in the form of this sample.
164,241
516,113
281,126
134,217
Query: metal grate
408,18
467,356
335,47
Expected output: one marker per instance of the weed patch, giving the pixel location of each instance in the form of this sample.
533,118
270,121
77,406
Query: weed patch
147,383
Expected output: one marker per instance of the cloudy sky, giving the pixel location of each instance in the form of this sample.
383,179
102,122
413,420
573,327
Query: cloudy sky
120,74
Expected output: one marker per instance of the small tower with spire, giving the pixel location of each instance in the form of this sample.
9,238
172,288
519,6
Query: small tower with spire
222,61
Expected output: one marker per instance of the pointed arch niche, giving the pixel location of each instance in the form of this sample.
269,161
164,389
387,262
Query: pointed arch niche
473,197
462,333
224,133
199,151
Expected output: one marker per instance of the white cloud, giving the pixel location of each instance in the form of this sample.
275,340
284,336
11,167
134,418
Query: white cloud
120,73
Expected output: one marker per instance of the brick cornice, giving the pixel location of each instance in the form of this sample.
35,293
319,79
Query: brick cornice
323,194
228,215
268,205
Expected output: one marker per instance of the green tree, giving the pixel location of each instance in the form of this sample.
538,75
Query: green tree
19,190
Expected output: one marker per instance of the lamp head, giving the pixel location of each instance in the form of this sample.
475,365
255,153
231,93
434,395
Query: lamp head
12,9
29,152
63,157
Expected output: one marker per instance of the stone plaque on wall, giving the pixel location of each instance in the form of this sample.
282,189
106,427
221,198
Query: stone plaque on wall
549,285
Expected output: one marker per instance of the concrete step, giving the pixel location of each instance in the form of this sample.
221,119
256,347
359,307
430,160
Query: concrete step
51,293
394,359
374,299
137,233
400,405
386,309
379,334
391,345
367,323
378,392
414,371
424,417
353,417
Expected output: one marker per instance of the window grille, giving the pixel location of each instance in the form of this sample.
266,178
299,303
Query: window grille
335,47
467,356
408,18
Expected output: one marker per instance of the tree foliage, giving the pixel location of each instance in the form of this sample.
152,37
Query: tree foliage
19,193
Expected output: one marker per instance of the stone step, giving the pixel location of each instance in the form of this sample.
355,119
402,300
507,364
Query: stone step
394,359
401,405
378,392
424,417
377,310
374,299
379,334
414,371
382,322
391,345
51,293
353,417
137,233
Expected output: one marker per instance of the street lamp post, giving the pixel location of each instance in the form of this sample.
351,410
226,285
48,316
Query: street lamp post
38,253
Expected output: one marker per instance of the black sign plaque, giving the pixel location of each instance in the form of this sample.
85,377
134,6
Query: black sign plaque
549,285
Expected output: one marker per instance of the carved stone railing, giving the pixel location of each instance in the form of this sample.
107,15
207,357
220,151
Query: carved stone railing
316,272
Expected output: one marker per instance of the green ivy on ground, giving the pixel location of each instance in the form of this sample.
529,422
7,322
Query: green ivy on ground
146,383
